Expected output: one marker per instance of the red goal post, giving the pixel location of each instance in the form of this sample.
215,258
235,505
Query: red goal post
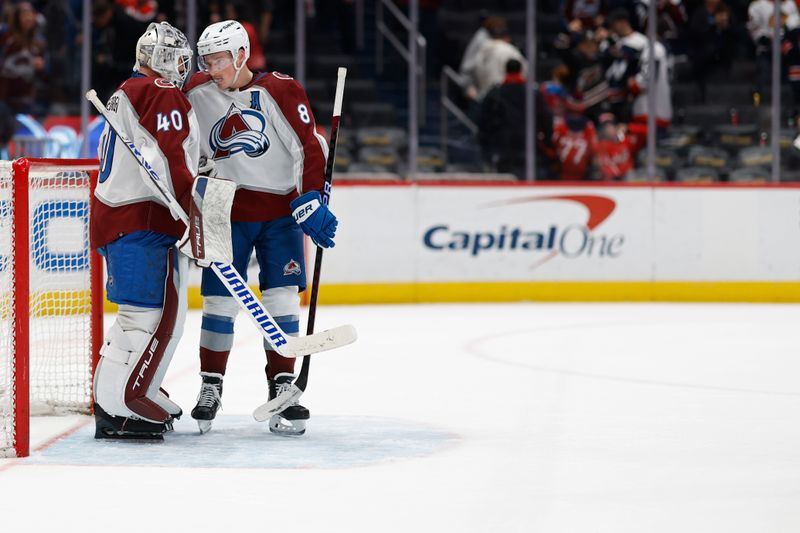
51,297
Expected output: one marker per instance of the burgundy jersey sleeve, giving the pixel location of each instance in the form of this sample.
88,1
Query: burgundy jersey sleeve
197,79
166,116
293,104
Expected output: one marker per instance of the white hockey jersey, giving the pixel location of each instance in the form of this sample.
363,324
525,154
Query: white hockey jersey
159,119
262,136
633,63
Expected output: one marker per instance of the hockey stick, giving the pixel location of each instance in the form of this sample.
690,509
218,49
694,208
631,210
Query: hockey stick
283,400
284,344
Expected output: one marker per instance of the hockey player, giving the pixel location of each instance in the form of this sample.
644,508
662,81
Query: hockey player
133,229
259,129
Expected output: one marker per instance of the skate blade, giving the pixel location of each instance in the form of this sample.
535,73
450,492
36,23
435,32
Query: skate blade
286,428
204,426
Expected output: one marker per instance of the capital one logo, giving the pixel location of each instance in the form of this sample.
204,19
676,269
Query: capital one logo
573,240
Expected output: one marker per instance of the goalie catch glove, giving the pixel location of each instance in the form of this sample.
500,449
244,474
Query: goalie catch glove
207,239
315,218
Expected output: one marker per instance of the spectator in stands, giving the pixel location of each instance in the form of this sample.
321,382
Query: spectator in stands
501,125
628,74
491,60
587,83
615,149
554,91
760,15
711,41
574,144
489,25
22,58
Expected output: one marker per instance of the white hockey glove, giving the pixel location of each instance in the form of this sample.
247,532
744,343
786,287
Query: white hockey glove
208,168
208,237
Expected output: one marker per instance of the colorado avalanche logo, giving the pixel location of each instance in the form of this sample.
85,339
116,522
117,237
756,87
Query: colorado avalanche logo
292,268
239,131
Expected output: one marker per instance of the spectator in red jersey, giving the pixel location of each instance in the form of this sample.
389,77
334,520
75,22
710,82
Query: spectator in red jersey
575,144
501,126
615,149
22,58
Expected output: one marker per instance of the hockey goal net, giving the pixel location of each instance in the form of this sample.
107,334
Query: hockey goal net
50,294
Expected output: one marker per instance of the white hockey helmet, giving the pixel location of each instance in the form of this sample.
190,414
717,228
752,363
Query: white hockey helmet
225,36
166,50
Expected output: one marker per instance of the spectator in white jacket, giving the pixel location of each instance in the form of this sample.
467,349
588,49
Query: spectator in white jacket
760,25
489,66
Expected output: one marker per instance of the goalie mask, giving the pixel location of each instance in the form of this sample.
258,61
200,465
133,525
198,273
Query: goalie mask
165,50
226,36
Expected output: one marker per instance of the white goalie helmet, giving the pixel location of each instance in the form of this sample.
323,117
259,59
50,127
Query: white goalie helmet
165,50
225,36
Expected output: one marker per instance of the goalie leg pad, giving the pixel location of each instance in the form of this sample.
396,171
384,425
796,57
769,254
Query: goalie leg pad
124,343
179,280
174,410
133,361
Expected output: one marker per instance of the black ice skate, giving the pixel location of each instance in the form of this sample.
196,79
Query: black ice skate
291,422
119,427
209,401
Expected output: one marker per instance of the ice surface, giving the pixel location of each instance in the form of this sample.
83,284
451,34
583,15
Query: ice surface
462,418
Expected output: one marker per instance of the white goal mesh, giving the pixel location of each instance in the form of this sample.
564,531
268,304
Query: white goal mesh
60,327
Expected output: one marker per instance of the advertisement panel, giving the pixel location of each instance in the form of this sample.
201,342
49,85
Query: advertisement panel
533,234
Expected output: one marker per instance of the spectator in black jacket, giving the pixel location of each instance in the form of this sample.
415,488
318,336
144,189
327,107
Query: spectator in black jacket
711,41
501,125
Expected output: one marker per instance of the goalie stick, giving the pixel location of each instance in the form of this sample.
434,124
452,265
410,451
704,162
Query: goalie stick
283,400
282,343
